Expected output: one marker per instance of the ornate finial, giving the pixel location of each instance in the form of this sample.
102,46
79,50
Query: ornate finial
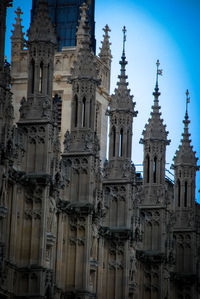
124,39
187,101
17,32
106,29
105,52
18,13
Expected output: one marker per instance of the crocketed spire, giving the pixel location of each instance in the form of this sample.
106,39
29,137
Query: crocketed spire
121,99
17,32
154,129
41,28
185,154
85,66
105,52
83,31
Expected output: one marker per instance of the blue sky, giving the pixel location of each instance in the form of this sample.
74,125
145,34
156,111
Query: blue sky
157,29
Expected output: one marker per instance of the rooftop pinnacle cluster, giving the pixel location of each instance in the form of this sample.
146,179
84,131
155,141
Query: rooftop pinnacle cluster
74,224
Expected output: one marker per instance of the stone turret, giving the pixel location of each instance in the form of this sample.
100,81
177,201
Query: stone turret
84,79
41,46
105,51
81,171
121,113
185,166
155,141
185,225
118,187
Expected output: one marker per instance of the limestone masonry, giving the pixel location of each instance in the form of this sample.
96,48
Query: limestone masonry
73,224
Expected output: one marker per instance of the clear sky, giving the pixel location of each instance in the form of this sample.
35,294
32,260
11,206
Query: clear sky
158,29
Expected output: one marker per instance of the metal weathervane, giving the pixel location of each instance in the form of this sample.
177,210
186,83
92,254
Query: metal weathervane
187,100
124,38
159,72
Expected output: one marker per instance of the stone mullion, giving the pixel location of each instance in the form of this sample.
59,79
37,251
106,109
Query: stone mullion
87,113
59,250
37,77
93,113
158,170
32,234
117,142
110,143
124,145
44,79
50,78
87,246
151,169
189,193
126,270
182,183
101,250
129,144
43,224
13,228
79,120
77,268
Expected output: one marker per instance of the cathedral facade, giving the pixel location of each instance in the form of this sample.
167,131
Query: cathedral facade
72,223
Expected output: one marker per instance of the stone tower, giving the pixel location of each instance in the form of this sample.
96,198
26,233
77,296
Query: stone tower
153,204
6,144
81,172
118,187
31,252
185,233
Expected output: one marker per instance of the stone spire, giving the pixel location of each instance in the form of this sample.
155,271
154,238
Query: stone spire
105,51
155,141
83,31
17,32
41,28
84,66
121,99
154,129
185,155
121,114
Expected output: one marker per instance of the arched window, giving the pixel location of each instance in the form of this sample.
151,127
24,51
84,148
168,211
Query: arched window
83,112
179,193
185,194
148,168
121,143
154,169
75,111
114,140
32,75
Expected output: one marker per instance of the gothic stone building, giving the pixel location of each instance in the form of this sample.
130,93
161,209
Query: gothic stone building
70,226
